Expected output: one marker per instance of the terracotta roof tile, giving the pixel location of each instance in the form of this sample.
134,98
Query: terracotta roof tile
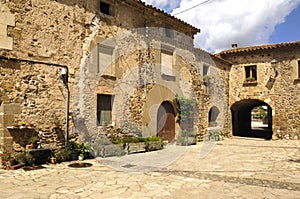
262,47
167,14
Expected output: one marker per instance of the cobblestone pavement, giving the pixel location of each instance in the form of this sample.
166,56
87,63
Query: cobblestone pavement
235,168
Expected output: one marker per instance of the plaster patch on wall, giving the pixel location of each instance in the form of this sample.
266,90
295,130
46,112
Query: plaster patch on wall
6,19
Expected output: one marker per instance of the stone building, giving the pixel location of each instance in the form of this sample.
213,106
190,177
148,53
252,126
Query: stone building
126,62
76,66
266,75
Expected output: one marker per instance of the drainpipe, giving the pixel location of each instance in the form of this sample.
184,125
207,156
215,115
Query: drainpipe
64,77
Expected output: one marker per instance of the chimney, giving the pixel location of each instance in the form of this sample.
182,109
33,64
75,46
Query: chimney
234,45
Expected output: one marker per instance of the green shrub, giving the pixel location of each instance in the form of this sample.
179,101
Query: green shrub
25,158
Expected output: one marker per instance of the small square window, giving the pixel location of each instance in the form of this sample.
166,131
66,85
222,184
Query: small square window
251,74
105,8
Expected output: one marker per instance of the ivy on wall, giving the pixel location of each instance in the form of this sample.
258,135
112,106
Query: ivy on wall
186,109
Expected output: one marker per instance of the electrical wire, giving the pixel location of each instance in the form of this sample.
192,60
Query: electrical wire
192,7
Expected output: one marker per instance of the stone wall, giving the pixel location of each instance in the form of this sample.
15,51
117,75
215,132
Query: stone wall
68,33
276,85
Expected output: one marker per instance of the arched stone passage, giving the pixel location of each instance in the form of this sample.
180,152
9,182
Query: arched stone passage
241,119
166,121
213,116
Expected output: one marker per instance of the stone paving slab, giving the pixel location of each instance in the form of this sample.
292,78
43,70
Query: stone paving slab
235,168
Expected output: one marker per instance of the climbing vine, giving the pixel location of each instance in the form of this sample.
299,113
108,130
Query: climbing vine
186,109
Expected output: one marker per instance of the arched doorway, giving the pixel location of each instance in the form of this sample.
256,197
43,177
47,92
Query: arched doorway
242,119
166,121
213,116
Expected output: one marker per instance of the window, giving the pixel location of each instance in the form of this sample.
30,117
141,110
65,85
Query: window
166,63
251,73
104,109
105,8
205,69
169,32
106,62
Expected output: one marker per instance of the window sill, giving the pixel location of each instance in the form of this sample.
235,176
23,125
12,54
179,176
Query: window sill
108,76
168,77
252,83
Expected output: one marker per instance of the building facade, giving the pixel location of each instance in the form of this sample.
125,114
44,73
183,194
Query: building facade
126,62
81,66
266,75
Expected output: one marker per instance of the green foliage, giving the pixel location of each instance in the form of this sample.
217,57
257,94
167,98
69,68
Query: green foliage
206,78
83,149
7,155
154,139
216,135
262,111
250,79
25,158
33,140
63,155
186,108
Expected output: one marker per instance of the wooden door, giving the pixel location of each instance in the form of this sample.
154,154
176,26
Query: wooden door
166,121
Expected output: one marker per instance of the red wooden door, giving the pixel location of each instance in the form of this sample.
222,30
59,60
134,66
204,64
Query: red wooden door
166,121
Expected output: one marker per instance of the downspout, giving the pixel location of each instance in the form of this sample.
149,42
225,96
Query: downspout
64,77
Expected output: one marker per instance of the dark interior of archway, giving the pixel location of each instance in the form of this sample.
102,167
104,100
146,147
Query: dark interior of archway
241,119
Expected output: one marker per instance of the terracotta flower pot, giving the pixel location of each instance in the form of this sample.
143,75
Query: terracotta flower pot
53,160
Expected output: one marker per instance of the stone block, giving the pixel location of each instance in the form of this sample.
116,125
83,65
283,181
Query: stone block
6,43
6,120
6,143
4,132
13,108
3,30
7,19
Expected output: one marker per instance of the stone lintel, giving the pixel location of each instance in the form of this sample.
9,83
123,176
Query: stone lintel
6,120
6,43
3,30
7,19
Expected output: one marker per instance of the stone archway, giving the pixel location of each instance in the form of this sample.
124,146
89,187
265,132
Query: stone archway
166,121
241,119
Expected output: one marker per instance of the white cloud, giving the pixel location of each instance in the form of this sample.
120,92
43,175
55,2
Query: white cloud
224,22
166,5
245,22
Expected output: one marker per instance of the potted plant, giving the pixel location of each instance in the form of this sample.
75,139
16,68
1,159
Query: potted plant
7,159
154,143
33,142
25,158
80,156
53,158
83,151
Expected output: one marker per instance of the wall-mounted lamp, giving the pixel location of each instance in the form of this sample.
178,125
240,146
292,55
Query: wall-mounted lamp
64,75
274,61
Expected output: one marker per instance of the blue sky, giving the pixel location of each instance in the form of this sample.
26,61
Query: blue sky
245,22
289,30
